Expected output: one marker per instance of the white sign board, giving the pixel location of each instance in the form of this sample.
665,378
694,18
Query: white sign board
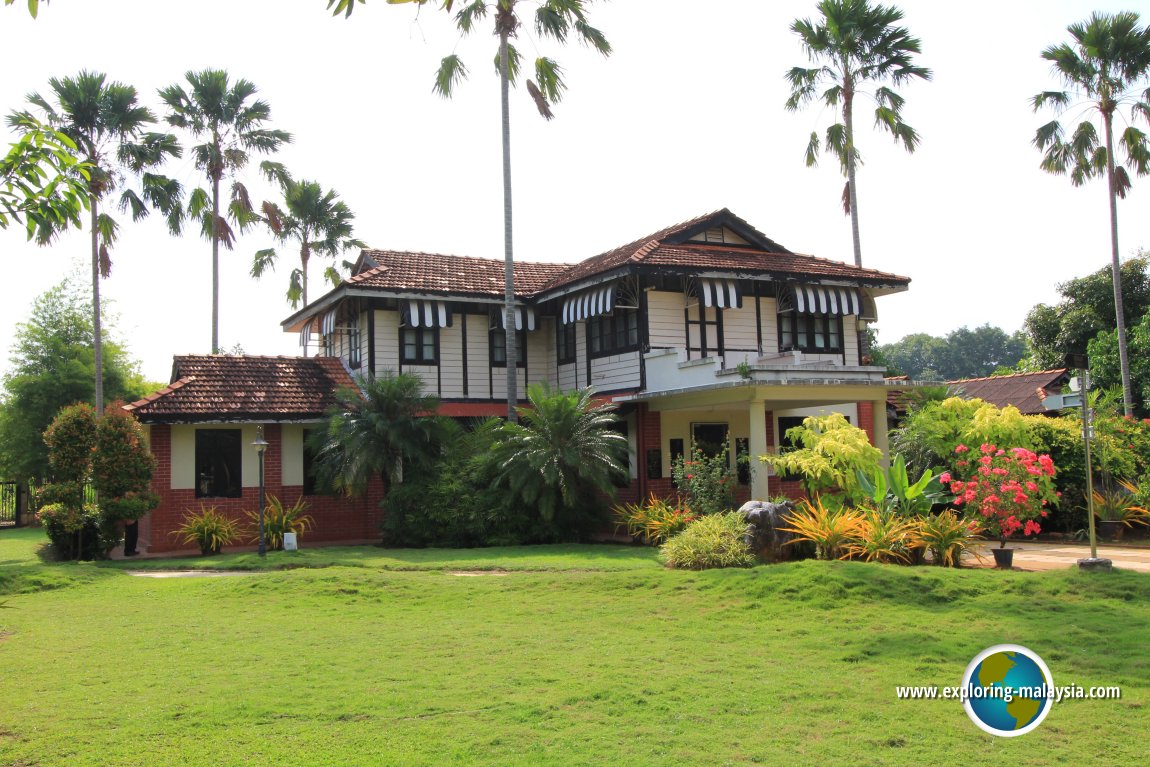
290,543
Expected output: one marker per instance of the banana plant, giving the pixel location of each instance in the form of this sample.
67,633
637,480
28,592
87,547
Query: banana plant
892,489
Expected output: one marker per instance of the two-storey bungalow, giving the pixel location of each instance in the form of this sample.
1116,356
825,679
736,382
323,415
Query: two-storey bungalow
707,332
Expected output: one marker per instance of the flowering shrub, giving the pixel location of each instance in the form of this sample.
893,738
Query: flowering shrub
708,482
1009,489
654,521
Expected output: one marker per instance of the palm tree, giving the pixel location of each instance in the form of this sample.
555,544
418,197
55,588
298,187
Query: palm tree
563,449
107,124
1105,67
315,219
231,125
384,428
553,18
855,43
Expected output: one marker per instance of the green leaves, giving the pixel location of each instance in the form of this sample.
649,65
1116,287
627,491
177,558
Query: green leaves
451,72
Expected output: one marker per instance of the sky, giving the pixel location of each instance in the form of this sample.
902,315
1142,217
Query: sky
686,117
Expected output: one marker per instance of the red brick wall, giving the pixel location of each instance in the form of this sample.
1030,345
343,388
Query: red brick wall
336,518
866,419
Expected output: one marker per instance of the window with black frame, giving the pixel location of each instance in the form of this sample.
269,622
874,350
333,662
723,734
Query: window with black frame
498,347
812,333
613,333
353,341
564,343
219,465
419,346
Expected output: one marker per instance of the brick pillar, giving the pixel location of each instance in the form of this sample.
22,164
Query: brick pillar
273,457
155,526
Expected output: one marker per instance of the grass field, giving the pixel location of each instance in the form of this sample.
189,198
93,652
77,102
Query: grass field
575,656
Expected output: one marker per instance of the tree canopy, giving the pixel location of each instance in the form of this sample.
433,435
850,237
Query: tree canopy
962,353
52,366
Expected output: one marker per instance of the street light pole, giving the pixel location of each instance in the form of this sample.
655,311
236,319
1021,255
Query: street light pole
261,446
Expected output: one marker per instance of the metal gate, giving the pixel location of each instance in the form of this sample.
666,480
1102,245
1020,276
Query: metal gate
8,500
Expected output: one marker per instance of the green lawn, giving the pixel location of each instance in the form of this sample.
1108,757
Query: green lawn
577,656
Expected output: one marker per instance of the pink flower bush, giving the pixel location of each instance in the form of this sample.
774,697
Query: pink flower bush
1007,488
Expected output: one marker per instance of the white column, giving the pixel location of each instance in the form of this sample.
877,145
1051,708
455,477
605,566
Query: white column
758,446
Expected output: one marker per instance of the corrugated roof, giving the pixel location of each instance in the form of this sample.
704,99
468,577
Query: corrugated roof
237,388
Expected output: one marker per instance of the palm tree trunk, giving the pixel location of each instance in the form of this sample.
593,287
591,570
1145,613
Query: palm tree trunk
304,257
1116,268
508,257
97,330
852,186
215,266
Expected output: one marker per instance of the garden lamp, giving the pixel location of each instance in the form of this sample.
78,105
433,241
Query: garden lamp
261,446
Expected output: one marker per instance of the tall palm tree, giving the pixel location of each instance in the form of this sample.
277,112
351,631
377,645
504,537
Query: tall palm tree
318,221
563,449
223,115
555,19
107,124
1106,67
383,428
855,43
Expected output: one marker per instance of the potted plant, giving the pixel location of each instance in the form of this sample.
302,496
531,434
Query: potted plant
208,528
1117,509
1005,491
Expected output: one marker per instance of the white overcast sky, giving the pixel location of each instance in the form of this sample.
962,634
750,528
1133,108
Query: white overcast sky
686,117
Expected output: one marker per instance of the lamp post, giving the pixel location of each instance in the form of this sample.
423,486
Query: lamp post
261,446
1079,361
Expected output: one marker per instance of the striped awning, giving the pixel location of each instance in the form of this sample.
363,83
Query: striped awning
721,293
327,326
524,317
305,335
426,314
826,299
589,303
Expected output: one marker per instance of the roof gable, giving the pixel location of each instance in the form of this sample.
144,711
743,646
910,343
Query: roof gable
1019,389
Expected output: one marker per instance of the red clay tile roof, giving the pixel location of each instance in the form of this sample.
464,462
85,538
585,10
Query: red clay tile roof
234,388
1019,389
433,273
461,275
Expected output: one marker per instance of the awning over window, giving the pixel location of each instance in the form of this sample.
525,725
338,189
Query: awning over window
589,303
825,299
426,314
524,317
305,335
328,324
721,293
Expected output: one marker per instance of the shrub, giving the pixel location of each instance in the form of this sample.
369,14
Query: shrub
880,536
655,520
280,519
209,529
831,529
77,532
947,536
1008,488
707,481
833,453
716,540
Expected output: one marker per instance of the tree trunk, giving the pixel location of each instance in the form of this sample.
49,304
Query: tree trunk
97,329
1116,266
508,257
304,257
852,186
215,266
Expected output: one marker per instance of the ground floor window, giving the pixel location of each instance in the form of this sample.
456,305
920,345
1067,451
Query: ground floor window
219,467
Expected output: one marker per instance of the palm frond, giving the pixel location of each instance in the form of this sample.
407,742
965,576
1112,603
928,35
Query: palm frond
451,73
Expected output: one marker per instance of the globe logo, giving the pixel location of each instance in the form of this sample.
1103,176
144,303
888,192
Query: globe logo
1008,690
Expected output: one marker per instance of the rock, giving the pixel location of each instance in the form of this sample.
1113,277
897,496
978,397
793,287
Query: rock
767,538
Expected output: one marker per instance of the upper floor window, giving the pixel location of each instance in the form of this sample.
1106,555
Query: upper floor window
498,346
564,342
353,341
419,346
817,333
613,333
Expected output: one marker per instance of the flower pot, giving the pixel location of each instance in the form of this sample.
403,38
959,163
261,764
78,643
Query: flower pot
1111,529
1003,558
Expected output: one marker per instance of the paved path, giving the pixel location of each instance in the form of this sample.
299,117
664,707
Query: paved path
1059,556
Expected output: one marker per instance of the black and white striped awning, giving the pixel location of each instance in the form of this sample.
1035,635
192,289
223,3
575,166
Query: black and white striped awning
524,317
721,293
826,299
305,335
426,314
589,303
327,326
